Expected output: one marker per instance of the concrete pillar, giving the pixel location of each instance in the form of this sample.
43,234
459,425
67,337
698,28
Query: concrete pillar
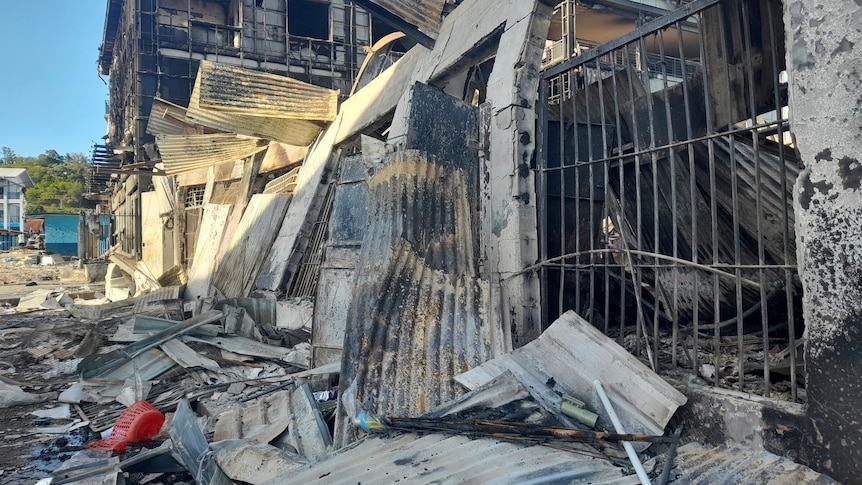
513,242
824,59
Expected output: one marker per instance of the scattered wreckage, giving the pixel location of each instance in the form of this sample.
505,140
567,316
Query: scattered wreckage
422,357
226,396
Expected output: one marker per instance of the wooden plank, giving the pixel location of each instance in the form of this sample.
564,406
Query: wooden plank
209,239
572,354
250,244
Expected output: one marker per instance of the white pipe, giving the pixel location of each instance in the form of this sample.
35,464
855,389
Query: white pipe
618,426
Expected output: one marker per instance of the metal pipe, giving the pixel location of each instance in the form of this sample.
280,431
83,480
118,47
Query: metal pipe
618,426
668,464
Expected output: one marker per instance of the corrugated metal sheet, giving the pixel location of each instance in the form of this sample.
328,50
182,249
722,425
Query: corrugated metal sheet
572,354
148,300
284,184
252,103
236,90
167,118
759,178
424,14
699,464
418,315
183,153
251,242
437,458
292,132
269,417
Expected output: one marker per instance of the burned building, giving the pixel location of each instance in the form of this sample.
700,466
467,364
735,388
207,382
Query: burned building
622,168
151,51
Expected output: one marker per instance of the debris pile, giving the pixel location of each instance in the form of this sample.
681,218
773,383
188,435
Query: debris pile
227,397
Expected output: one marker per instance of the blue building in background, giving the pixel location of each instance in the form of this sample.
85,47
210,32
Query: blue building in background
61,233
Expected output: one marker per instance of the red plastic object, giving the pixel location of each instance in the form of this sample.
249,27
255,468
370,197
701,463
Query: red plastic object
139,422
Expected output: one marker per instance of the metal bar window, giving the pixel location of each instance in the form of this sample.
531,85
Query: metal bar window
664,181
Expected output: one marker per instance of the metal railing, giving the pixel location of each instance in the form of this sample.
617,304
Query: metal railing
664,192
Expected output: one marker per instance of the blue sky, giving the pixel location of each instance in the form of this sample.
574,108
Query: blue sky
51,96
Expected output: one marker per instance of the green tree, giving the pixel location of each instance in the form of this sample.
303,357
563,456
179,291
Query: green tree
8,156
59,181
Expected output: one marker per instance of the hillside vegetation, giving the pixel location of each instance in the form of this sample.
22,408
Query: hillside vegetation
59,180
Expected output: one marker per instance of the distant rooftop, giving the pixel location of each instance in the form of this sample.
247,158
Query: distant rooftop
17,175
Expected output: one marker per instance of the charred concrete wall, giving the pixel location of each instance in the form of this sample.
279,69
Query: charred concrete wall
824,58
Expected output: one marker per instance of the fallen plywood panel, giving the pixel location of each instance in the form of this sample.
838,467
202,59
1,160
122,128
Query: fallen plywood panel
570,355
281,155
250,245
212,229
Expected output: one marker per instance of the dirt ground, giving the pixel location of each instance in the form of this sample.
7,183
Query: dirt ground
36,354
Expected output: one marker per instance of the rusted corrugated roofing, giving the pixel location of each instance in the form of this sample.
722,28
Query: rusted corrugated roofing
437,458
167,118
418,314
241,91
270,110
424,14
292,132
182,153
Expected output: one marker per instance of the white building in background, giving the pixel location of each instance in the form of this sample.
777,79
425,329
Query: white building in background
13,182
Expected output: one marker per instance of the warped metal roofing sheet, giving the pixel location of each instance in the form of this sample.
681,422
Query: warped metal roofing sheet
242,91
167,118
182,153
292,132
437,458
418,314
250,122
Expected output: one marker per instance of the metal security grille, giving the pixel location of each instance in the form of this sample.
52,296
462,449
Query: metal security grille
194,197
305,283
664,179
